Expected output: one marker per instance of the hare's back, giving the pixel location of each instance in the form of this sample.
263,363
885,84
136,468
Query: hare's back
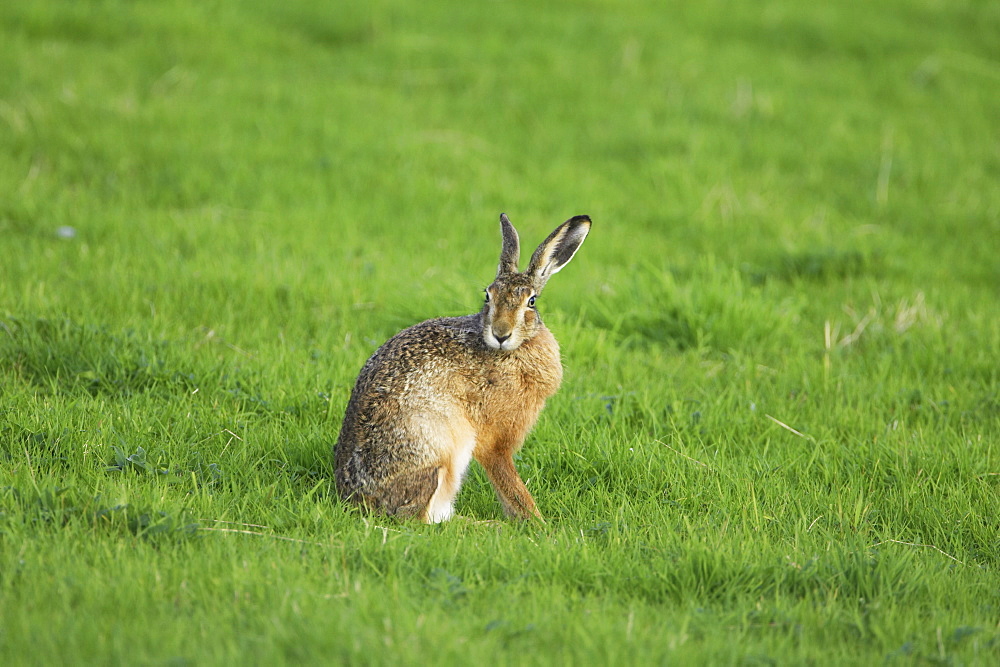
424,353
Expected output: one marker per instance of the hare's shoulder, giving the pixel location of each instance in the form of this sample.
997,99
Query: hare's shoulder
429,344
442,336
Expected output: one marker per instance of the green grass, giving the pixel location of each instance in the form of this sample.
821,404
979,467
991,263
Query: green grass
778,439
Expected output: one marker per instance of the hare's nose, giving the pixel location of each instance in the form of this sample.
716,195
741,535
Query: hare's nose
501,339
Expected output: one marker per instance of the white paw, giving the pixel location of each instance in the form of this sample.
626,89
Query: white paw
437,513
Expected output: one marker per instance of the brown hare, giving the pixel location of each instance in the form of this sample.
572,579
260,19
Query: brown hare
445,391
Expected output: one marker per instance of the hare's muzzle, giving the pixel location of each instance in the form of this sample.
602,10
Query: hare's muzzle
499,336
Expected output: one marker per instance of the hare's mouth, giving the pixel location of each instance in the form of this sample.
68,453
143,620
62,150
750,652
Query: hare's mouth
506,343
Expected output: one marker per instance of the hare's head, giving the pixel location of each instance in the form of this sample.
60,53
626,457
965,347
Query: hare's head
509,315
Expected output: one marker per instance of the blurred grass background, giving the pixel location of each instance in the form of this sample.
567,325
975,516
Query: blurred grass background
776,438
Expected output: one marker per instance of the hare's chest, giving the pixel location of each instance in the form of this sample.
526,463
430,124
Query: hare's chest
517,392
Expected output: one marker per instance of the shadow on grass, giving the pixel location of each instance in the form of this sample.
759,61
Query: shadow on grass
65,357
671,328
332,31
818,266
46,447
63,506
62,357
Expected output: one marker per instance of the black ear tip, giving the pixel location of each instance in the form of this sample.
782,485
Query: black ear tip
580,219
504,218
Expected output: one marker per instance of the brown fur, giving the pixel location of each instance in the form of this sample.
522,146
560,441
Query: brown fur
449,389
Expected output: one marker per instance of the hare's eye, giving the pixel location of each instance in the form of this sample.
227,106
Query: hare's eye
531,302
487,296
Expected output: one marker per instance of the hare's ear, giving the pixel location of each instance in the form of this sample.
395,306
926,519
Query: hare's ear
510,254
556,251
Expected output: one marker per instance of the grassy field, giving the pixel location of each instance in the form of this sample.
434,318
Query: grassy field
778,439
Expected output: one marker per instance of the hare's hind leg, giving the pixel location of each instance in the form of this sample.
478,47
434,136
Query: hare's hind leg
407,495
442,504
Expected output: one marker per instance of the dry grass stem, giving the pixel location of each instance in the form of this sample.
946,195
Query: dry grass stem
676,451
260,534
914,544
790,429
